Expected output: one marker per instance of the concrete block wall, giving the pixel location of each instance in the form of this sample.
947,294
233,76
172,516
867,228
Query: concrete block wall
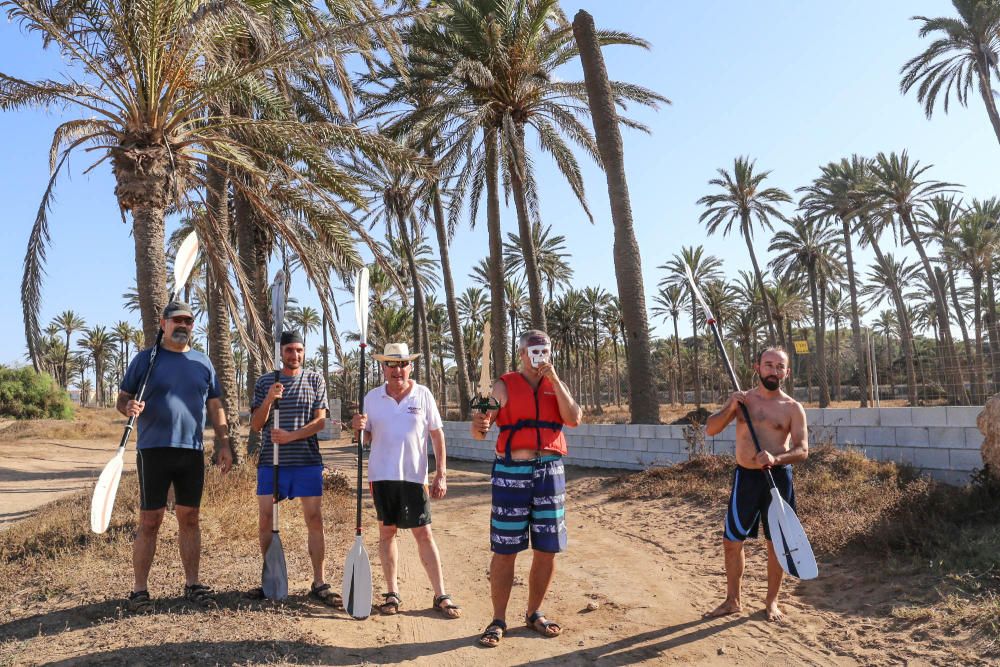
941,441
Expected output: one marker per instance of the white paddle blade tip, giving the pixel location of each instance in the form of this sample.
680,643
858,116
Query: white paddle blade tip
791,546
184,261
361,303
103,501
357,589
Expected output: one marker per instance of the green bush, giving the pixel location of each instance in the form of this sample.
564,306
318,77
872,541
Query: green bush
25,394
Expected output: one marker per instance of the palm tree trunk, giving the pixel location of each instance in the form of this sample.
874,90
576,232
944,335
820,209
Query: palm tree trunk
598,408
986,90
248,240
618,396
221,344
835,360
458,341
980,367
991,326
949,280
498,316
644,402
859,350
950,361
760,279
819,366
528,250
905,327
677,357
150,268
697,344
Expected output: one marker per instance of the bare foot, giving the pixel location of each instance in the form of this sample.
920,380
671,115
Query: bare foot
725,609
774,615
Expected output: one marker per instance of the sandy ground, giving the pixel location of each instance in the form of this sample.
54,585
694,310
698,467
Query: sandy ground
651,567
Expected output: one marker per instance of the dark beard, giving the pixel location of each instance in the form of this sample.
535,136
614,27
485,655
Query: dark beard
770,382
180,336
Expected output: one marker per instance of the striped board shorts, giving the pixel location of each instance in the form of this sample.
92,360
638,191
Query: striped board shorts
528,503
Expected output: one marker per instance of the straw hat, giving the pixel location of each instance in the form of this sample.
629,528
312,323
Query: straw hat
396,352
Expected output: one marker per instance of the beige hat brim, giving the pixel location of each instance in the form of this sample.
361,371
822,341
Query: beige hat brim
395,357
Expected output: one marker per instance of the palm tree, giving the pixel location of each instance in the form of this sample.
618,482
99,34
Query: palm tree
838,310
305,320
596,299
601,98
613,323
69,323
887,326
552,263
896,193
155,104
896,276
743,200
123,333
516,300
99,345
965,52
703,268
839,193
990,210
668,302
973,245
811,248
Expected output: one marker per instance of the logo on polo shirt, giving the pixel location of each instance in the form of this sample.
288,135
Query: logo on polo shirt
414,410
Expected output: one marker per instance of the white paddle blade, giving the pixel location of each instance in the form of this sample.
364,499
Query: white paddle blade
697,294
791,545
357,591
361,303
185,259
274,576
278,313
105,491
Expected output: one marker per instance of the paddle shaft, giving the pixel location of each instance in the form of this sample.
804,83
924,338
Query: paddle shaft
736,387
361,433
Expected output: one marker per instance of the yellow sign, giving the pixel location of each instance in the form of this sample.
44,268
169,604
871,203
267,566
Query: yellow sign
801,347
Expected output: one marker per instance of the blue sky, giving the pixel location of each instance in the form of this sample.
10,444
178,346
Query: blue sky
792,84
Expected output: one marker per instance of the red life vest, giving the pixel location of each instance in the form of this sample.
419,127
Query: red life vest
530,419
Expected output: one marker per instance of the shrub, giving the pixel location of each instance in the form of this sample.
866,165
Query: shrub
26,394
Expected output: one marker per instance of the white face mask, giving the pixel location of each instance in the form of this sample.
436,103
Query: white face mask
538,354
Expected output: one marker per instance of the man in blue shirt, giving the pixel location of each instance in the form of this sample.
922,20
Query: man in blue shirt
171,417
302,414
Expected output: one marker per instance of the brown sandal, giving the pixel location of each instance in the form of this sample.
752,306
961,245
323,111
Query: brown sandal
542,625
449,610
493,633
391,605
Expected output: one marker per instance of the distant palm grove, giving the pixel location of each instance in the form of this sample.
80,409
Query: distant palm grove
298,135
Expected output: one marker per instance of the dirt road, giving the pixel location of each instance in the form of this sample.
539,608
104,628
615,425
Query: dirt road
651,567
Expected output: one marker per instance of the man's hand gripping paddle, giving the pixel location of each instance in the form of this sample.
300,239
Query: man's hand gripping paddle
103,500
484,401
790,542
357,589
274,574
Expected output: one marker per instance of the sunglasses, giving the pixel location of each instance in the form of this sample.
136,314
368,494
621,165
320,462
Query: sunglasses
182,320
397,364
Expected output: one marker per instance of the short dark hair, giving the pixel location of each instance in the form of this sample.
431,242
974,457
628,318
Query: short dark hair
771,348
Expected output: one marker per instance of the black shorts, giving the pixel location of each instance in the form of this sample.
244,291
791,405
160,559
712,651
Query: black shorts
750,499
401,504
159,467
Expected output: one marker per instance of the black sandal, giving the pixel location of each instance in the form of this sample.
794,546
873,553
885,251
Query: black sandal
541,625
391,605
323,593
493,633
449,610
139,602
201,595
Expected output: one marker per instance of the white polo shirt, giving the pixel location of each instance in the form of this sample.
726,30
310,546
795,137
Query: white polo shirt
399,434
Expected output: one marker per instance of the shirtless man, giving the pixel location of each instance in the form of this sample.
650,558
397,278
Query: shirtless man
780,424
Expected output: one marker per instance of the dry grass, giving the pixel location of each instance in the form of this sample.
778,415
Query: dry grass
87,424
944,539
63,587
